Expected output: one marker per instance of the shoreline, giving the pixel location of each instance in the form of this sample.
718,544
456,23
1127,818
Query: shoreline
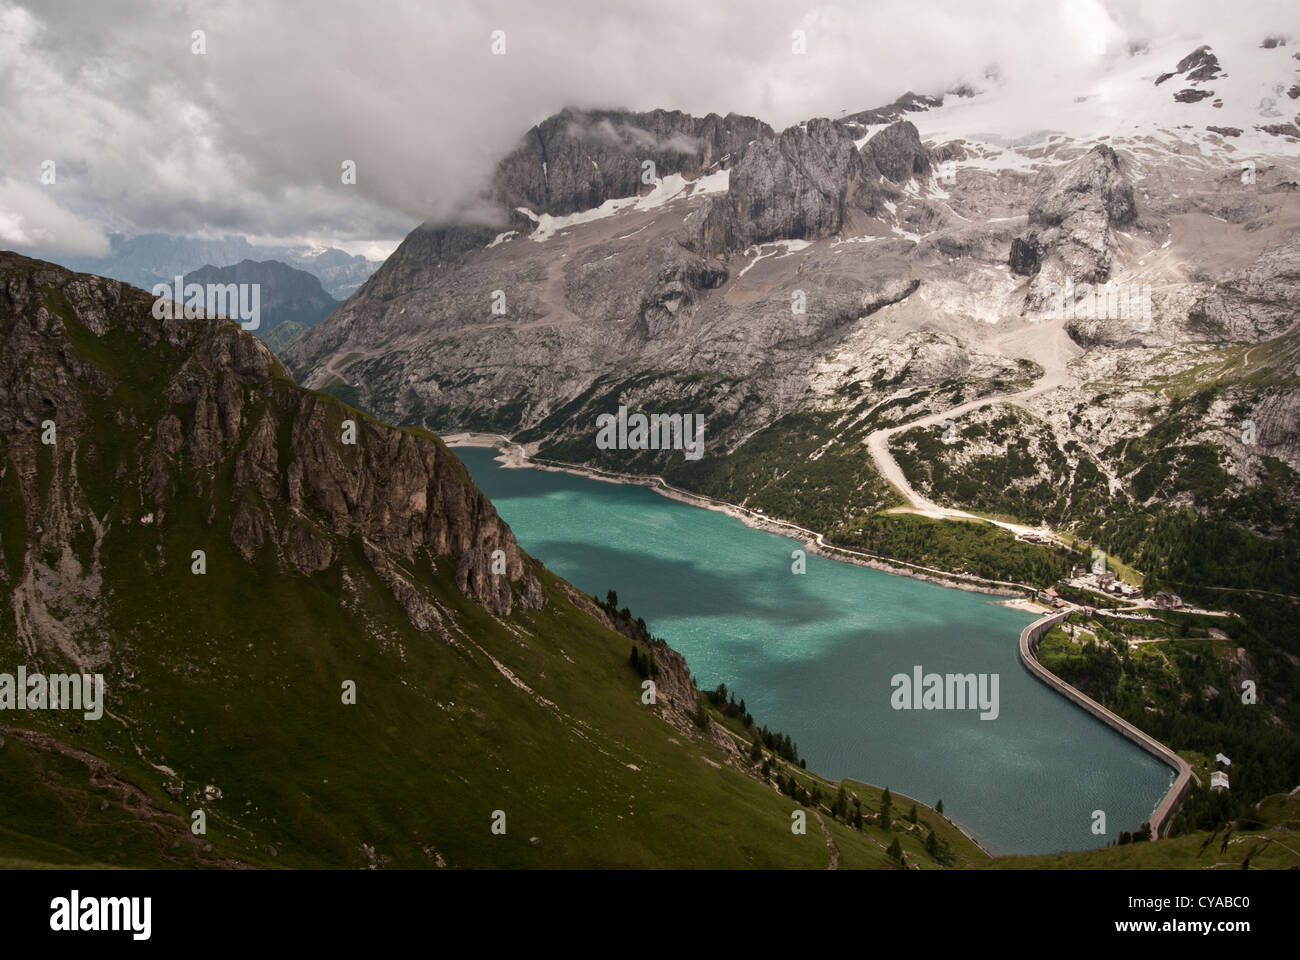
1183,775
517,456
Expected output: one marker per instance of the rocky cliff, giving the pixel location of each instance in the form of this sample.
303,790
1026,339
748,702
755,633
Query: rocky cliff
578,159
1072,222
222,422
798,186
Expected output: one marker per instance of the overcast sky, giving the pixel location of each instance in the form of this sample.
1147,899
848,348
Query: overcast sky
248,138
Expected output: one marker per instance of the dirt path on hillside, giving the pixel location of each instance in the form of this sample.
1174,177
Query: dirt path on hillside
1047,344
177,845
331,369
830,843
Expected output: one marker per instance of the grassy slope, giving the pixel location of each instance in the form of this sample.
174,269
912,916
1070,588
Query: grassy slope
1268,841
236,682
234,679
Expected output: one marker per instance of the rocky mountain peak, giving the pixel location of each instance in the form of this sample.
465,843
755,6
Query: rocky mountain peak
173,412
286,294
577,159
898,153
1070,222
908,103
1094,183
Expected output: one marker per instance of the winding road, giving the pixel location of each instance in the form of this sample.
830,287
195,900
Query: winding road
1047,344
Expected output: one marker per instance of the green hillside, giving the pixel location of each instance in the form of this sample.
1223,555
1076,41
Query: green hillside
225,690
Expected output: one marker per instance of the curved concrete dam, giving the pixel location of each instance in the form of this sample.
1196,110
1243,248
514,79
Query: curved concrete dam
815,654
1029,640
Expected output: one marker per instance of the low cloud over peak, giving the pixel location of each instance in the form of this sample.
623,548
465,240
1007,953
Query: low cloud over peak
250,134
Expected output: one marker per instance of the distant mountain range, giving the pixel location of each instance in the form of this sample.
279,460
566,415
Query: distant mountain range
291,300
151,258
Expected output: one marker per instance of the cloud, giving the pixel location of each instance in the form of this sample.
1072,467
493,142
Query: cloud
250,136
32,220
627,133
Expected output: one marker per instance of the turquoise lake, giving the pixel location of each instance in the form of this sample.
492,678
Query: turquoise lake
813,655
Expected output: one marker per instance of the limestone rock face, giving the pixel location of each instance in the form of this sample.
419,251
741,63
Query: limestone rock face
578,159
798,186
220,404
1071,224
898,153
1024,258
1095,185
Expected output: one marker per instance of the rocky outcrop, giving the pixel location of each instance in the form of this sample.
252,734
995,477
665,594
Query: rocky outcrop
226,407
798,186
898,153
1093,185
1024,258
1198,66
1071,222
803,184
578,159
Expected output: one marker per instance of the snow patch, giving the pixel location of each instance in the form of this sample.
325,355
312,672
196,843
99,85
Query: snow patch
718,182
762,251
548,226
666,190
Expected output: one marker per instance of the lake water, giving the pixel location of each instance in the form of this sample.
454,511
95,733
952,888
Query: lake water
813,656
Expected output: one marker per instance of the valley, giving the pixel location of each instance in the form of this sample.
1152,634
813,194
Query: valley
813,653
863,314
978,546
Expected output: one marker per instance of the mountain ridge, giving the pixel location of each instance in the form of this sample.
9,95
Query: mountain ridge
338,653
